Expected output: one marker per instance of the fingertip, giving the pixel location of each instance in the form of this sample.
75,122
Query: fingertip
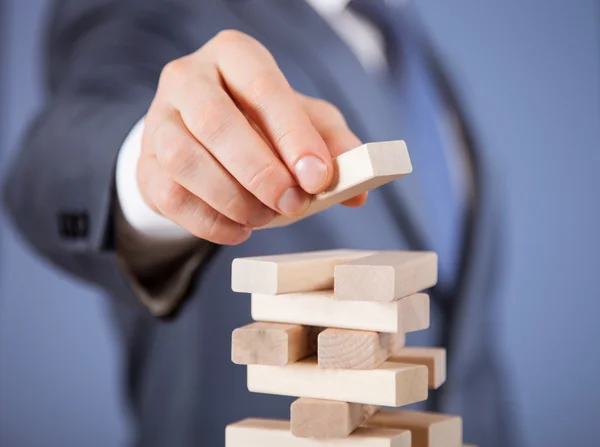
356,201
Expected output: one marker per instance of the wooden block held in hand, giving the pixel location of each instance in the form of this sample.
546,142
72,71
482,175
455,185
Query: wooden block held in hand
275,433
433,358
272,343
320,309
392,384
289,273
327,419
356,171
352,349
385,276
427,429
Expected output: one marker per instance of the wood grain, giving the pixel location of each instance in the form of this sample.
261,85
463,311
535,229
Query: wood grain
427,429
320,309
433,358
289,273
262,343
385,276
352,349
356,171
275,433
327,419
391,384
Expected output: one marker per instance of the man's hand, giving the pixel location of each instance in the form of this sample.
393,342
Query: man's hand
228,143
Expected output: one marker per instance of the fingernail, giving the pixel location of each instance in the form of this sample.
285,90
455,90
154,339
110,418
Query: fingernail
311,173
261,217
293,201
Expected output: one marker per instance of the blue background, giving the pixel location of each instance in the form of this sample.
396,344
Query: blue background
529,72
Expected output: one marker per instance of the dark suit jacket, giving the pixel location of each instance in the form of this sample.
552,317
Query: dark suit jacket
104,59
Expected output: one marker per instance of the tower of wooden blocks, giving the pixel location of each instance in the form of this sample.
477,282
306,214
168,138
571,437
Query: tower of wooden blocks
330,329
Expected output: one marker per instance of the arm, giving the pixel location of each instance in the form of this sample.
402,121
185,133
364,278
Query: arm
102,69
226,145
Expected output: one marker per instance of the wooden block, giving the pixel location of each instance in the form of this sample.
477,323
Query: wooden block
320,309
392,384
272,343
289,273
327,419
351,349
274,433
385,276
433,358
428,429
356,171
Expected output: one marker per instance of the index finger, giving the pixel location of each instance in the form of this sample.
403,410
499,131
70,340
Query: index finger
254,80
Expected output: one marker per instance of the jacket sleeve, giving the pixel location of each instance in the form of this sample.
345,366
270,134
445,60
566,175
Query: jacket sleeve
104,61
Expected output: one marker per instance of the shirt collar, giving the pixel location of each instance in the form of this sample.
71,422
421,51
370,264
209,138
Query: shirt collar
328,8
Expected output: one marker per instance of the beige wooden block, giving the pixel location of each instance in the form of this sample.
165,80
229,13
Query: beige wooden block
428,429
392,384
433,358
272,343
385,276
320,309
327,419
288,273
352,349
356,171
275,433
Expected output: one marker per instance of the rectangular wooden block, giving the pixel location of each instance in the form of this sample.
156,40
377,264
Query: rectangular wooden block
385,276
272,343
392,384
327,419
427,429
433,358
320,309
352,349
275,433
356,171
289,273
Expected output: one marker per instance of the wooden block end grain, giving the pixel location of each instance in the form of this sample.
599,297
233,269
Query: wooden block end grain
352,349
327,419
427,429
263,343
385,276
289,273
433,358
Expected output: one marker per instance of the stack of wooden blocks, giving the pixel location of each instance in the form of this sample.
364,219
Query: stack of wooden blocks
330,329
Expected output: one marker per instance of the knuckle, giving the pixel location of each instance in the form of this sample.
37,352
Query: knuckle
231,37
235,205
257,176
330,111
175,71
176,155
262,86
215,227
211,119
171,198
